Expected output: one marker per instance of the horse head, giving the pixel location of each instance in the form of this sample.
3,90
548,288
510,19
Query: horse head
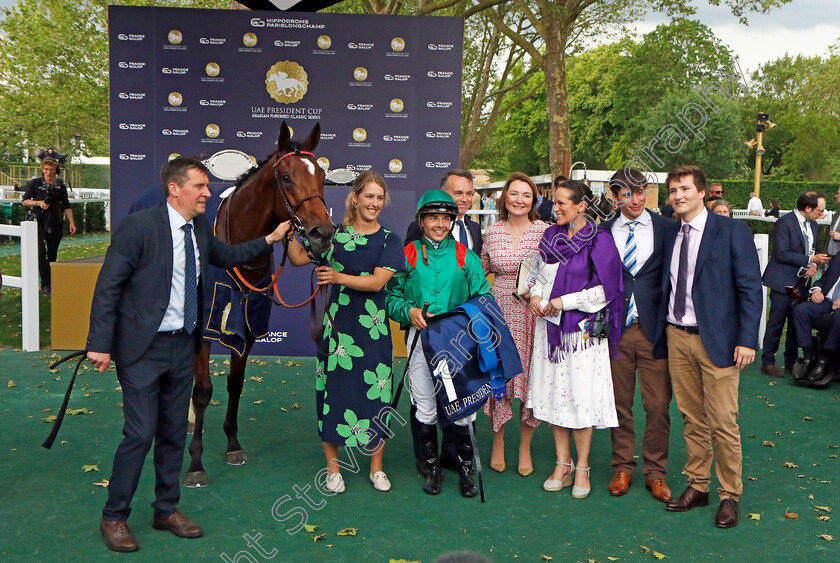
300,187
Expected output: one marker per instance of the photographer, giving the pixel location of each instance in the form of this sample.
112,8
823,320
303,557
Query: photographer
47,197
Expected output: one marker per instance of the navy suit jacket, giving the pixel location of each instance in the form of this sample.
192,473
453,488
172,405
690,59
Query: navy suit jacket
829,278
727,287
416,233
647,285
132,291
789,253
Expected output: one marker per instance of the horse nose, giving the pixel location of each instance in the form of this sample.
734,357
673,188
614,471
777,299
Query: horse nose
320,236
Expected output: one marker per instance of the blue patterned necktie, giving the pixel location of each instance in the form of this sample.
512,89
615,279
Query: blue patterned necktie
630,264
682,275
190,289
462,233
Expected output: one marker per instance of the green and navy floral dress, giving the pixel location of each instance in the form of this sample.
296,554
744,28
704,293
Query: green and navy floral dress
354,382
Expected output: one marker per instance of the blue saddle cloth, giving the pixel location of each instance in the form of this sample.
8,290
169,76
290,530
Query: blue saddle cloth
471,355
232,313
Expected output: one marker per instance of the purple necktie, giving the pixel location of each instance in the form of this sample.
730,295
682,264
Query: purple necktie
682,275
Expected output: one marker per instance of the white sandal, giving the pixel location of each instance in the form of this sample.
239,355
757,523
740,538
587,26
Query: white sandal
557,484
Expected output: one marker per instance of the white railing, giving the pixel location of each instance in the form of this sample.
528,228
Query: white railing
27,282
762,246
742,214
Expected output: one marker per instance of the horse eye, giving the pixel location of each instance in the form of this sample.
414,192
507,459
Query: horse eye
287,178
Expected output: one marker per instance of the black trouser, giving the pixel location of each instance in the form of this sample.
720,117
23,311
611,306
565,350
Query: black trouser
804,316
781,309
156,401
49,237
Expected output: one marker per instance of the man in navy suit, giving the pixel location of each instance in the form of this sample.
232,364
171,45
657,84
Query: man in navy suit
825,300
639,236
146,315
711,285
793,263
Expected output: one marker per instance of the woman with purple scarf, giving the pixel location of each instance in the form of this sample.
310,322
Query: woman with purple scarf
571,385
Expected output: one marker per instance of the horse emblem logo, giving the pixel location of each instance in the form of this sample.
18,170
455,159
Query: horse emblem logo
324,42
175,99
324,163
173,156
286,82
395,165
360,73
359,135
175,37
212,130
249,39
212,69
397,44
397,105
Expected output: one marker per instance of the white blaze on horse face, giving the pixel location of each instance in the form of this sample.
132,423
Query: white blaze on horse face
309,166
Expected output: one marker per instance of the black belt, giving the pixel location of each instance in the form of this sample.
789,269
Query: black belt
172,332
686,329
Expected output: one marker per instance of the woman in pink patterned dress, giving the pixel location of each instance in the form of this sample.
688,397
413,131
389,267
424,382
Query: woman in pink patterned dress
515,237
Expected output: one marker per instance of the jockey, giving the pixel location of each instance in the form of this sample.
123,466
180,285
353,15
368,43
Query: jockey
444,274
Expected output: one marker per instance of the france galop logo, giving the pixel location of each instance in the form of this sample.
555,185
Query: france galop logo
175,37
324,42
175,99
212,130
395,165
286,82
212,69
397,44
360,73
324,163
397,105
249,39
359,134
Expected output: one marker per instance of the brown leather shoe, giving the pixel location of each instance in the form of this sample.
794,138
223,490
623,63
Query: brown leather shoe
117,536
727,514
658,489
690,498
179,525
771,370
620,483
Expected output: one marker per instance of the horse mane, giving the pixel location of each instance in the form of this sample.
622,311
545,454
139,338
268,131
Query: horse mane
293,146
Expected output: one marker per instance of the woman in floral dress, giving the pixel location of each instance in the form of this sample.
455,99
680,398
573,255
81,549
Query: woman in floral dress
354,381
516,236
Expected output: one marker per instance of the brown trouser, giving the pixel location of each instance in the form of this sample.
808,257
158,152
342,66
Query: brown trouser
707,397
635,352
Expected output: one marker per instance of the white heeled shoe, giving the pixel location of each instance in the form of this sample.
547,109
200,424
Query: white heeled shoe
580,492
557,484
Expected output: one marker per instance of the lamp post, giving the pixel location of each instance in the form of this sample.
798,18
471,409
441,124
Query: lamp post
762,122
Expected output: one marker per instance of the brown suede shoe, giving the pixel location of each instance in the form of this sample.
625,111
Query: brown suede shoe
179,525
658,489
690,498
727,514
117,536
620,483
771,370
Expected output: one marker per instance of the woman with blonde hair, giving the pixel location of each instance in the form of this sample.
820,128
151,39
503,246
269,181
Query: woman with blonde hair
512,239
353,380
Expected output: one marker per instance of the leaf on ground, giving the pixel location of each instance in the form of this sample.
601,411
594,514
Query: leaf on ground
89,468
50,418
751,478
807,419
74,412
644,549
777,433
283,409
811,496
791,515
658,555
258,402
403,561
789,464
833,456
612,558
826,537
823,517
754,516
292,363
832,447
309,528
215,403
64,442
320,537
53,371
347,532
86,395
46,410
11,384
768,444
545,557
823,508
103,483
295,405
257,379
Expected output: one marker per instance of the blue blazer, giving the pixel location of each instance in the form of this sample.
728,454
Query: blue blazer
789,253
132,290
647,285
727,287
829,278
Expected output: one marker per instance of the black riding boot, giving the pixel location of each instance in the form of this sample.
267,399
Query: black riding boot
465,456
429,444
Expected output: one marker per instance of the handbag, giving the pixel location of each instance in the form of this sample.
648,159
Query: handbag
598,327
526,277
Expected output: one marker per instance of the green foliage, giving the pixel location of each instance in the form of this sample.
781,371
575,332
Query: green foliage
737,192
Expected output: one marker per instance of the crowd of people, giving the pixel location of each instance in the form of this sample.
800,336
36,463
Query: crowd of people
672,305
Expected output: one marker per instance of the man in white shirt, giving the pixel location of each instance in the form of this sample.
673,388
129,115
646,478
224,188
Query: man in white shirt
754,206
834,233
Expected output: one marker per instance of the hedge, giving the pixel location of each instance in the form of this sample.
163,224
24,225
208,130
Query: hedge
93,176
737,192
88,216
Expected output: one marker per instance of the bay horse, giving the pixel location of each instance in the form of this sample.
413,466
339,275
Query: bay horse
289,185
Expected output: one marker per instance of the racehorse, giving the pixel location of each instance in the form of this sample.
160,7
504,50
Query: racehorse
289,185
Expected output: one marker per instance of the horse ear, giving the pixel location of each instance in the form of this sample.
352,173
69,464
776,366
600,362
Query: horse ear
284,138
312,140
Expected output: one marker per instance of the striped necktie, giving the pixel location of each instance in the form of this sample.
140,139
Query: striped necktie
630,264
190,289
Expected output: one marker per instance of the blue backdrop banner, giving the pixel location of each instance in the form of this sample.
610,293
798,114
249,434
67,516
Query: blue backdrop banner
385,89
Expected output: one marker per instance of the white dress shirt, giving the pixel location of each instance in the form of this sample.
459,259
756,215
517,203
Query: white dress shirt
698,225
755,205
456,232
173,319
805,227
643,233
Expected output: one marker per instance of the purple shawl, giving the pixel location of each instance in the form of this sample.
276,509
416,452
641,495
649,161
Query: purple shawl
573,276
